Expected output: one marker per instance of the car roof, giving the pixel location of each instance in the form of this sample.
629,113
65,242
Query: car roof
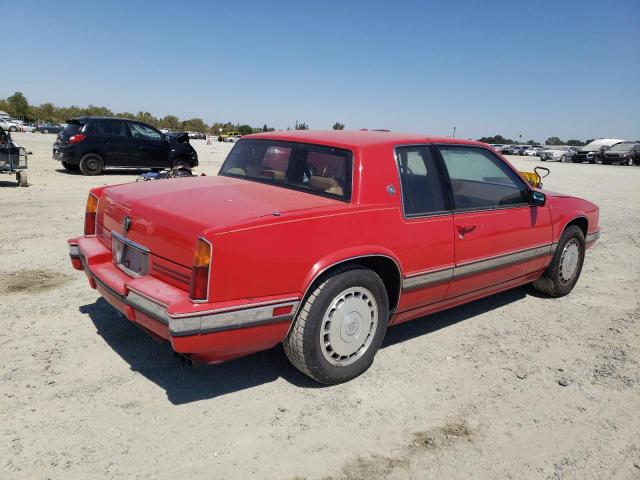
356,138
86,118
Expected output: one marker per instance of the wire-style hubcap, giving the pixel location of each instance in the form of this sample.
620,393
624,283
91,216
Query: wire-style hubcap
348,326
569,261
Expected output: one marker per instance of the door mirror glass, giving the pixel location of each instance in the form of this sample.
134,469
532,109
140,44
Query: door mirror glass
536,198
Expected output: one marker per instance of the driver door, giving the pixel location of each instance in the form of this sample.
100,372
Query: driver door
499,236
151,149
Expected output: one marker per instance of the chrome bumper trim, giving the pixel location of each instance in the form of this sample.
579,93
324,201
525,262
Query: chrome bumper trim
74,251
217,322
147,306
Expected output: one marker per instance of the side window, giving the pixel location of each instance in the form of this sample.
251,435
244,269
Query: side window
110,127
481,180
422,191
140,130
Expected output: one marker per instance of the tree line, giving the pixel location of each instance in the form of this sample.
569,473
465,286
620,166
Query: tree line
549,141
18,106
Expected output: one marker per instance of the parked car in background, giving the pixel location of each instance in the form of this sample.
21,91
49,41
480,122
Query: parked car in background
228,265
508,149
558,154
496,146
49,128
92,144
625,153
533,151
234,139
592,152
226,136
9,125
27,127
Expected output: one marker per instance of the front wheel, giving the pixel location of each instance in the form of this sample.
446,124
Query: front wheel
340,327
564,270
563,159
180,163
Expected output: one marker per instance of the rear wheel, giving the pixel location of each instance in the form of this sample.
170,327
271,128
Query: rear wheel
563,159
72,167
92,164
564,270
340,327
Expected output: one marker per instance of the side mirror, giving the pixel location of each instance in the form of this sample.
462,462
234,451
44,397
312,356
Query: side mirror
537,199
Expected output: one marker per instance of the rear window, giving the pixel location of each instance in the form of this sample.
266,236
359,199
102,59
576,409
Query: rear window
107,127
301,166
71,129
622,147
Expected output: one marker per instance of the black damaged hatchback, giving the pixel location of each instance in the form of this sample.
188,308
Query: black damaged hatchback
91,144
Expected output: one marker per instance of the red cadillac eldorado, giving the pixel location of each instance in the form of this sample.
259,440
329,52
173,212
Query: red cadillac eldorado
320,240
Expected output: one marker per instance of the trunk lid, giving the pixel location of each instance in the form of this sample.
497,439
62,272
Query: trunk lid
167,216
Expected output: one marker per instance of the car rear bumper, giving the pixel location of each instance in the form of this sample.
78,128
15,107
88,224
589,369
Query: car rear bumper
206,332
65,154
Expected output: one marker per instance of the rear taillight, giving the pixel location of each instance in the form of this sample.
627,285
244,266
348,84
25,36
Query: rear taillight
90,215
77,138
200,272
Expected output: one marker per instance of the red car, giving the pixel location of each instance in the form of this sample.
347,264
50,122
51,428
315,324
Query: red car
320,240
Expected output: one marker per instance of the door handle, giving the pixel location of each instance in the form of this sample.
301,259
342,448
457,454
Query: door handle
464,229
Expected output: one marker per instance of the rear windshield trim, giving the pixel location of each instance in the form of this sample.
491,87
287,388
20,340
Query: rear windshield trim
292,144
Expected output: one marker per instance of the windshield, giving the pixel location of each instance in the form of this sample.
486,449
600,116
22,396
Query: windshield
622,147
301,166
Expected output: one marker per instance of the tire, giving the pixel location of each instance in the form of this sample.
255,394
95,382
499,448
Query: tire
563,159
92,164
45,131
564,270
70,166
333,355
628,162
180,163
21,177
13,129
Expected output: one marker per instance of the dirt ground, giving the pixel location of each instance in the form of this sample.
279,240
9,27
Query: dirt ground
514,386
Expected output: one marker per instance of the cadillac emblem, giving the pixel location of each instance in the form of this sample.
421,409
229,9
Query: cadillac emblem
126,223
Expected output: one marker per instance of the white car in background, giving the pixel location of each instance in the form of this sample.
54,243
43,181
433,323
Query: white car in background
25,127
9,126
558,154
533,151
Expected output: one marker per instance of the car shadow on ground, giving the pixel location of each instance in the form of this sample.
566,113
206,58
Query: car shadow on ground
8,183
185,384
119,171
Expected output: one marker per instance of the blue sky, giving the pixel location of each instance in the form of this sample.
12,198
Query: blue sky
566,68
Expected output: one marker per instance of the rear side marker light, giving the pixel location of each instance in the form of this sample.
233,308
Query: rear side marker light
200,271
90,215
282,311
